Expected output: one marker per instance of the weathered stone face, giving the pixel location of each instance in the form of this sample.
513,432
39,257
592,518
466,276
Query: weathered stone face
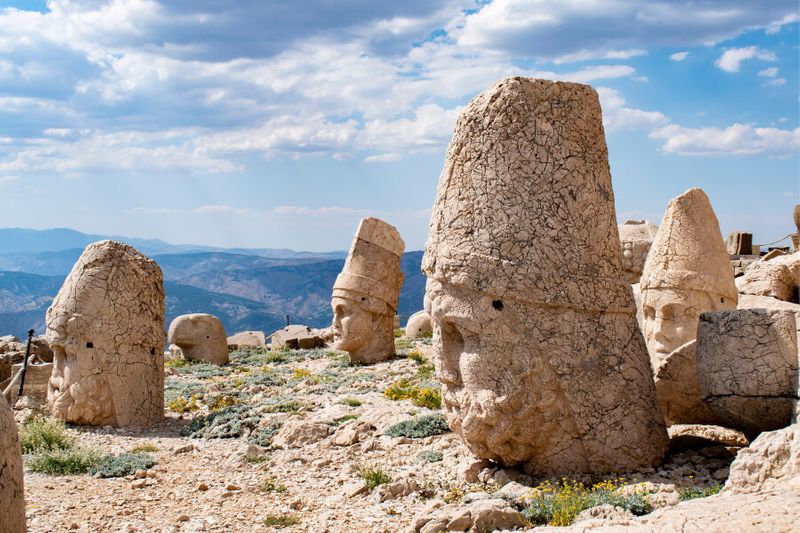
12,494
106,328
687,272
200,337
536,345
366,292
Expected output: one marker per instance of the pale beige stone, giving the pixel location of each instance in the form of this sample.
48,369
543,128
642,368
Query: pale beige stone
366,292
778,277
678,388
297,336
200,337
478,516
536,342
12,494
688,435
747,366
419,325
771,462
106,328
248,339
299,433
37,377
688,271
636,237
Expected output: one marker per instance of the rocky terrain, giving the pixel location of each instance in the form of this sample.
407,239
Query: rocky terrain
297,440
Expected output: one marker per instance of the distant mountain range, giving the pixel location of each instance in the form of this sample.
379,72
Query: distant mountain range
247,289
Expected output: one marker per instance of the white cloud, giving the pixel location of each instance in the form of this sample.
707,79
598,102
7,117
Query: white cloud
679,56
737,139
731,59
383,158
776,82
617,117
769,72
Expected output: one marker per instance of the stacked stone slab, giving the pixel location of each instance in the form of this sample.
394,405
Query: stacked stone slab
541,360
200,337
366,293
297,336
747,366
419,325
106,328
687,272
636,237
12,494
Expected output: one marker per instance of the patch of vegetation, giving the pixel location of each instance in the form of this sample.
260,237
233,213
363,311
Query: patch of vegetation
175,388
265,378
419,427
286,406
351,402
123,465
399,332
177,362
275,357
420,396
271,485
40,434
342,419
221,401
281,520
403,344
373,475
202,370
560,503
183,405
256,459
263,437
690,493
300,374
431,456
145,447
63,462
227,423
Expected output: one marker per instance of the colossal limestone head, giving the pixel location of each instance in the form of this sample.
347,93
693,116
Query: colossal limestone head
12,494
688,271
200,337
366,292
106,328
536,342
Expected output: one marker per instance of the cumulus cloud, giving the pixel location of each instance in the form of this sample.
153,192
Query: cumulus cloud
731,59
737,139
617,116
679,56
769,72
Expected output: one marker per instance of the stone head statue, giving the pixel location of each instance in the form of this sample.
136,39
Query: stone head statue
366,293
688,271
106,328
536,342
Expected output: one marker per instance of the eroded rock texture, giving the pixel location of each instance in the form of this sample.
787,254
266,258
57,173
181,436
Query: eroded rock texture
536,342
688,271
778,277
747,365
678,388
419,325
366,292
771,462
12,494
297,336
248,339
200,337
636,237
106,328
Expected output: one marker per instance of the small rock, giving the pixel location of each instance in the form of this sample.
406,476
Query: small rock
202,487
183,449
721,474
468,470
355,489
139,483
233,487
183,518
74,526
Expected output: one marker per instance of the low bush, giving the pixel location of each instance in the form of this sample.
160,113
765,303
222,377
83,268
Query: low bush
690,493
351,402
40,434
183,405
420,396
560,503
373,475
144,447
263,436
227,423
431,456
342,419
419,427
271,485
63,462
122,465
280,521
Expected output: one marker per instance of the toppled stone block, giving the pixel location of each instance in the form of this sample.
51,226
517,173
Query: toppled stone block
778,278
685,436
200,337
247,339
678,388
296,337
739,243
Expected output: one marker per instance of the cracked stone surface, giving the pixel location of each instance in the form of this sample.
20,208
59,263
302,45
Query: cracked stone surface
366,293
688,271
636,237
419,325
747,366
200,337
12,494
678,388
247,339
772,461
778,278
106,328
541,360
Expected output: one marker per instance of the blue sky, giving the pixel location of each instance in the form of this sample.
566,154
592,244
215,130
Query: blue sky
275,124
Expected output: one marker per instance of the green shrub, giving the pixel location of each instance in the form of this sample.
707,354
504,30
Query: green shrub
419,427
560,503
399,332
174,389
67,462
402,344
342,419
144,447
177,362
202,370
280,521
275,357
122,465
420,396
40,434
431,456
263,437
290,406
271,485
351,402
690,493
227,423
373,475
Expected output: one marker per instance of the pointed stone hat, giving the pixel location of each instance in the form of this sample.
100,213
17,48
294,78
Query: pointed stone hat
688,251
372,268
524,208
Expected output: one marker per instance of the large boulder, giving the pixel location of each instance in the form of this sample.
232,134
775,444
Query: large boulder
678,388
366,292
12,494
747,366
771,462
248,339
106,329
200,337
778,277
297,336
540,356
419,325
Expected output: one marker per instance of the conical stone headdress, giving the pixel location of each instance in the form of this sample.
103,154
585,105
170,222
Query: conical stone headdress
372,268
688,251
